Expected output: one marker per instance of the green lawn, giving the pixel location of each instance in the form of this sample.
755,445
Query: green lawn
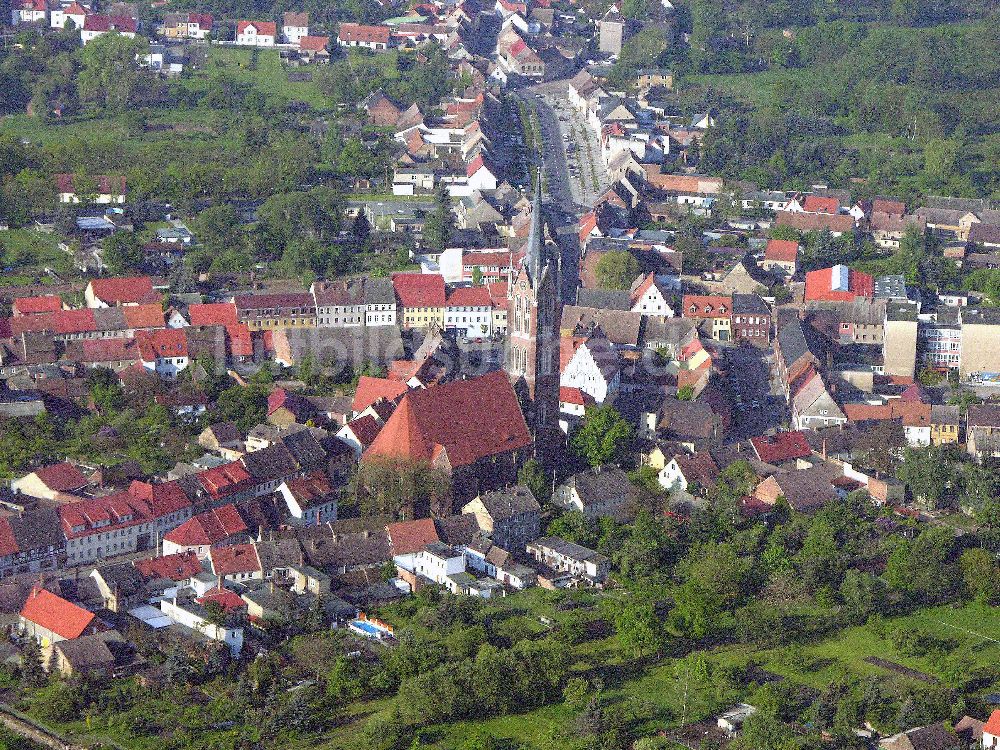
270,76
27,253
661,684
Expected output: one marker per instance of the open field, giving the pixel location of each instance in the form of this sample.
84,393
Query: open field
667,691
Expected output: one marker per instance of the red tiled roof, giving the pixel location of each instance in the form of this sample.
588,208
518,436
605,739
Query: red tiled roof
785,446
365,429
575,396
62,477
109,23
992,725
470,296
208,528
54,613
233,559
314,43
886,206
706,306
372,389
358,32
819,286
407,537
162,498
228,600
213,314
476,164
34,305
177,567
106,184
162,344
264,28
240,340
117,511
224,480
815,204
292,18
467,419
8,543
419,289
144,316
124,291
783,251
109,350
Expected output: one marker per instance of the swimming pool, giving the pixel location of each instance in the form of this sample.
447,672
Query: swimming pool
367,629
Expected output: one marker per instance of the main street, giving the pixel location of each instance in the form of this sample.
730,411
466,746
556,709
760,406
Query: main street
561,205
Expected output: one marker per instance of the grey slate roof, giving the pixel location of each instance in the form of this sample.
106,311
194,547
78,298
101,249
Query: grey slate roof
513,501
603,299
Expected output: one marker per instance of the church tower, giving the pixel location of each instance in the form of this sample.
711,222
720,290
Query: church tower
533,328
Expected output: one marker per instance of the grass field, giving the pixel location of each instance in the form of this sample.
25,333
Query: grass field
27,253
270,76
668,692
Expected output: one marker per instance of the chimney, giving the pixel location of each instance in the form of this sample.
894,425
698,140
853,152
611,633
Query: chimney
824,449
219,579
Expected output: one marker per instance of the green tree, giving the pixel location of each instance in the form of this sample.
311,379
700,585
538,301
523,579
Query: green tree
110,75
532,475
441,221
639,630
616,269
713,577
981,575
922,567
927,472
122,253
604,437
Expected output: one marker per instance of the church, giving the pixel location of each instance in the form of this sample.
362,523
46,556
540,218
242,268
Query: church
532,357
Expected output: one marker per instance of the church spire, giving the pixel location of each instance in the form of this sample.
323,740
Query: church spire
536,241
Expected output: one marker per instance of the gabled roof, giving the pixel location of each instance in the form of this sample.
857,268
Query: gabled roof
234,559
141,316
105,184
470,296
32,305
177,567
503,504
314,43
371,389
838,283
816,204
706,306
263,28
54,613
357,32
291,18
208,528
419,289
124,291
213,314
406,537
109,23
992,725
61,477
782,251
785,446
164,343
467,420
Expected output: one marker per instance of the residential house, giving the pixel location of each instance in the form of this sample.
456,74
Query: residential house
120,291
164,352
380,302
189,613
594,367
689,475
52,482
573,404
945,422
510,517
29,11
713,314
574,560
311,500
982,433
288,310
49,618
650,296
236,562
103,655
838,284
932,737
101,189
899,344
751,320
469,311
804,490
187,25
374,38
31,542
596,492
421,299
294,26
812,405
256,33
97,25
781,257
72,16
782,448
611,31
980,356
200,533
122,586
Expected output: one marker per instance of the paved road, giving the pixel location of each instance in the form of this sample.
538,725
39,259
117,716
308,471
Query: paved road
758,405
561,208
